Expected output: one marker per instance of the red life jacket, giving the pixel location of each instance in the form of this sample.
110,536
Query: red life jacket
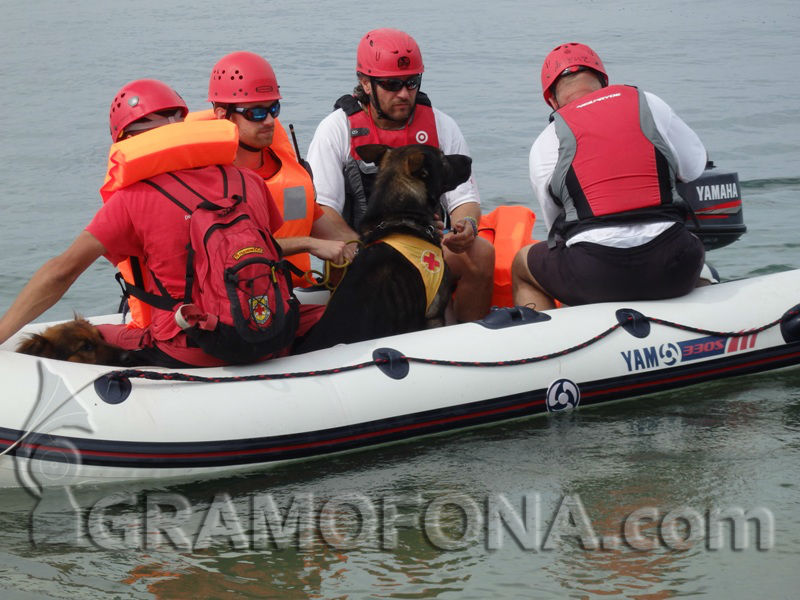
613,165
421,128
360,176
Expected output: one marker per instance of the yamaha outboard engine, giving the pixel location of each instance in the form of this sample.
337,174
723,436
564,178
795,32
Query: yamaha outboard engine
716,200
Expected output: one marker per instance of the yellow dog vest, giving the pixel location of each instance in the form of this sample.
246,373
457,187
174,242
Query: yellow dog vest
426,257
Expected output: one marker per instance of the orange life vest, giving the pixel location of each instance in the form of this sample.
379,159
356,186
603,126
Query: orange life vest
291,188
172,147
293,191
508,228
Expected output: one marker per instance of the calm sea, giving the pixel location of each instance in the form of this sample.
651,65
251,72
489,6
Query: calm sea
728,68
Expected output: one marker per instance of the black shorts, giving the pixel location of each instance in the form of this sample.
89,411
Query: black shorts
665,267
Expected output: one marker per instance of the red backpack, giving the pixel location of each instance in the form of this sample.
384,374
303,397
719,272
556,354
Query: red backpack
238,303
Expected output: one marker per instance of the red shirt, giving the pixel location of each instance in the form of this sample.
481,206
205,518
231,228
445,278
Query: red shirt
140,221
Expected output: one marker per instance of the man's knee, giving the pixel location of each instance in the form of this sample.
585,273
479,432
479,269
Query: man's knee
519,266
483,257
476,263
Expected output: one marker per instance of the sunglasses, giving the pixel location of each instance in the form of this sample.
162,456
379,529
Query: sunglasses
259,113
393,84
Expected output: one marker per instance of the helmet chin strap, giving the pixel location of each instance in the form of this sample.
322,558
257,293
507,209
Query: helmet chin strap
228,114
373,97
244,146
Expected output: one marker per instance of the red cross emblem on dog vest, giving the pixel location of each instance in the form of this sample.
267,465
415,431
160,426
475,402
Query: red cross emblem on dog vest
430,262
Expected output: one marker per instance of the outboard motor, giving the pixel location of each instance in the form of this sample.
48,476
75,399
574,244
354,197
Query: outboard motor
716,199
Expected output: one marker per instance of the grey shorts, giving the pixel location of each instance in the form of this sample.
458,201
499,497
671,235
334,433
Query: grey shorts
665,267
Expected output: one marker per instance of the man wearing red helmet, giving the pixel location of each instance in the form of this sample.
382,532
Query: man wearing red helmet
149,219
604,173
244,89
388,108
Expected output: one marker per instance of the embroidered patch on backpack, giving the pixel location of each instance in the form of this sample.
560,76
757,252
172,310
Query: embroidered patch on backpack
246,251
259,309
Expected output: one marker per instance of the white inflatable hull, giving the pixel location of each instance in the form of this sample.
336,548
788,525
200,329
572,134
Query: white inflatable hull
53,411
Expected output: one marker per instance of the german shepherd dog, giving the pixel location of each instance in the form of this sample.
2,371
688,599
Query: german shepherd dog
76,341
382,292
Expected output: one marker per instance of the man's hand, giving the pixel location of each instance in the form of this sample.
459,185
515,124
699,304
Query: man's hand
462,235
336,251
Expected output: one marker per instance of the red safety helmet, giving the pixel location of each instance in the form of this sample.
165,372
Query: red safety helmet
569,57
388,53
242,77
140,98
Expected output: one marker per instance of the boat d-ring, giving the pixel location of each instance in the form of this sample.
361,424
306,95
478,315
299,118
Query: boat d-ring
790,324
392,362
633,322
113,390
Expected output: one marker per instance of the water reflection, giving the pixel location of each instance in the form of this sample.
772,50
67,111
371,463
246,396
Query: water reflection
714,446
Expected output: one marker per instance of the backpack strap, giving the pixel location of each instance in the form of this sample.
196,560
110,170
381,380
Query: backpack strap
138,280
163,301
165,193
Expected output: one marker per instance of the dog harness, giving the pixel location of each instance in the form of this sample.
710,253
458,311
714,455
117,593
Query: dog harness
426,257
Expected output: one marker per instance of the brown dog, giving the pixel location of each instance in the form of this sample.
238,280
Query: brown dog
75,341
384,291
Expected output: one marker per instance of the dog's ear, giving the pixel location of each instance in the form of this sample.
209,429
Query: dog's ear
372,153
415,163
37,345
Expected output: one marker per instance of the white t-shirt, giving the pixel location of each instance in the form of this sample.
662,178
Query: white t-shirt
330,149
684,144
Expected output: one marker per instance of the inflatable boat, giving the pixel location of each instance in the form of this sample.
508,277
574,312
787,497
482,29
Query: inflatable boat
65,423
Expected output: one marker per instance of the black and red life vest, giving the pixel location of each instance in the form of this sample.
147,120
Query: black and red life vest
613,167
359,176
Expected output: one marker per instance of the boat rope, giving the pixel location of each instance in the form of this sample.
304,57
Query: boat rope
124,374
